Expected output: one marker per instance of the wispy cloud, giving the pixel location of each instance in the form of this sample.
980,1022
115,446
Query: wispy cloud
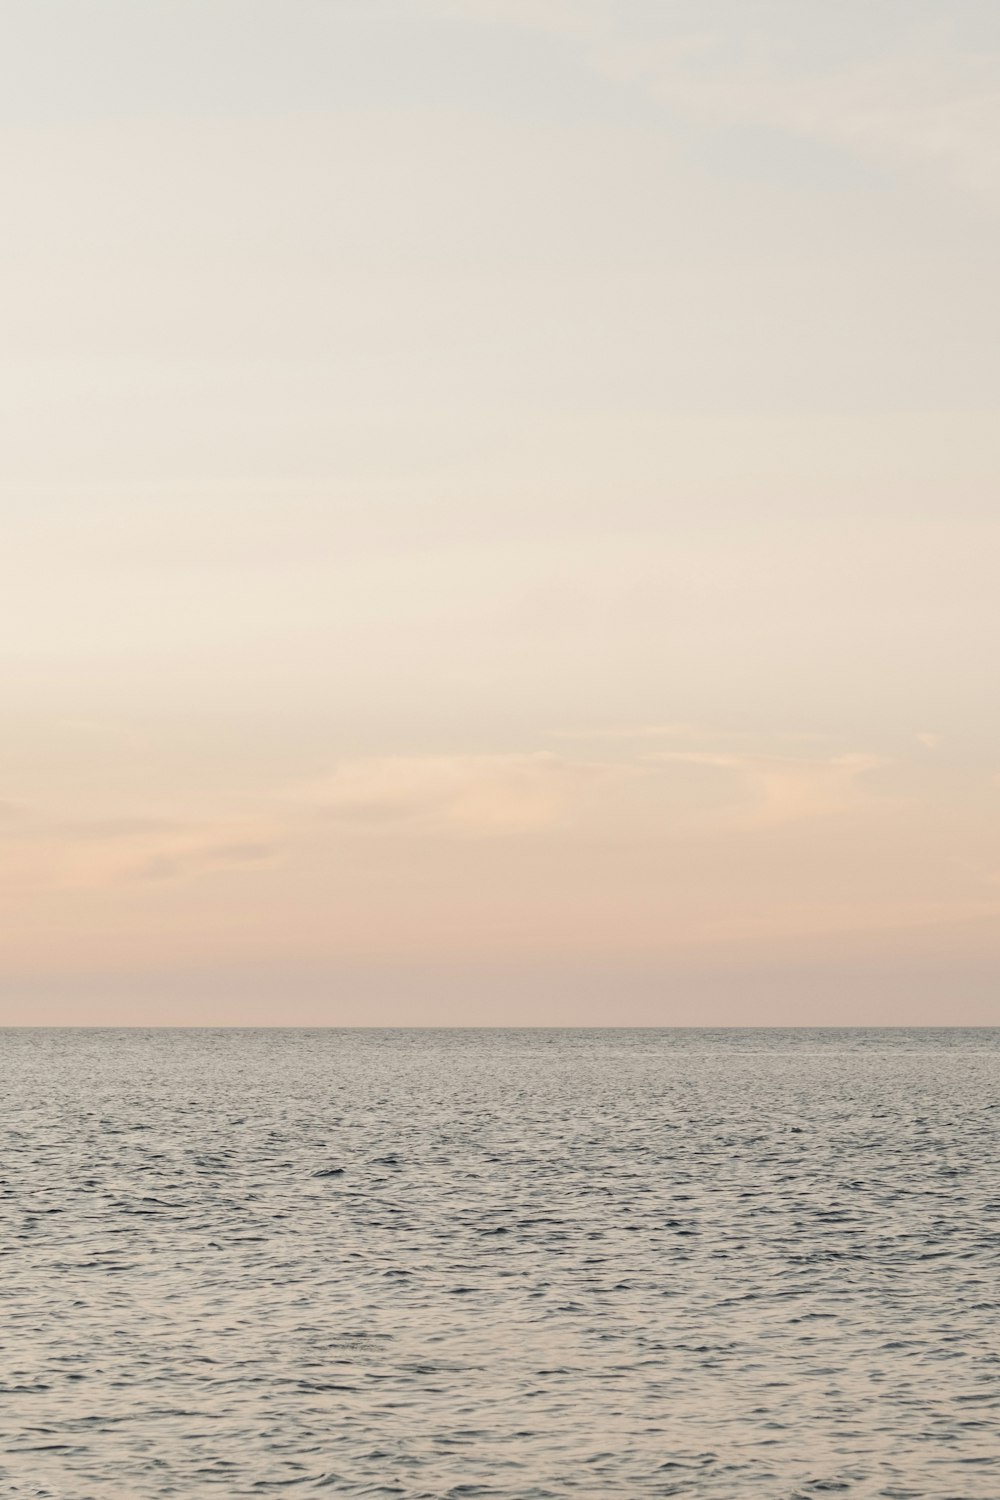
786,789
481,794
699,734
193,857
625,732
927,93
657,783
639,788
574,18
91,853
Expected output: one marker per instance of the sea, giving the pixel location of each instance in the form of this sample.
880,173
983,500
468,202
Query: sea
522,1264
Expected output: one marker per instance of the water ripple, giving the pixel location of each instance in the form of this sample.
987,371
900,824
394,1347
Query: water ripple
525,1265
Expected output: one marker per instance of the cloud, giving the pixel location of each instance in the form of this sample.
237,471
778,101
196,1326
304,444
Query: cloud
626,732
660,784
684,729
188,859
649,792
111,829
472,794
917,106
102,852
572,18
785,789
913,89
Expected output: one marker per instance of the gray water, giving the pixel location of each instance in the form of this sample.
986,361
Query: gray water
512,1263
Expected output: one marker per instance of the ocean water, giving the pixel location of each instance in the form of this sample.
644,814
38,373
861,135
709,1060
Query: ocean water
517,1264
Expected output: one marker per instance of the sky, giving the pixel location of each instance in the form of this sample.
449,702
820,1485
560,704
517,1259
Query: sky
499,512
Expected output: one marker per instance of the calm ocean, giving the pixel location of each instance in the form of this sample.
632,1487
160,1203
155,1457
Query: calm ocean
517,1264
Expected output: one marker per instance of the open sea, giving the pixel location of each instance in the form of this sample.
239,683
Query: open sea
515,1264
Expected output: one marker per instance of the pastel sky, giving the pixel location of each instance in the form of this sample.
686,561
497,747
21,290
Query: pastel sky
500,512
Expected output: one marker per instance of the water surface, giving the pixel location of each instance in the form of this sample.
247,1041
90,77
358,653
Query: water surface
515,1264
